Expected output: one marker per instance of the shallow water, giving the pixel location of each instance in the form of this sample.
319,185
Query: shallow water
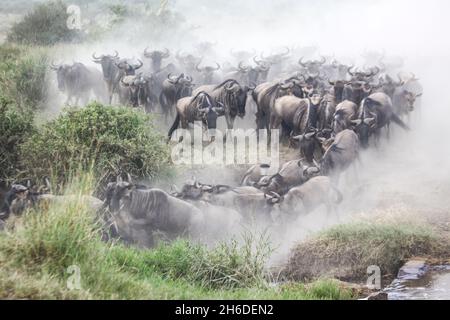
434,285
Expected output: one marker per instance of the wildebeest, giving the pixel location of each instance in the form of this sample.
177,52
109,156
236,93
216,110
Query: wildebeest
78,81
207,74
201,107
156,57
303,199
247,200
231,95
267,93
255,174
345,112
138,213
174,88
292,173
375,113
341,152
110,71
403,101
188,62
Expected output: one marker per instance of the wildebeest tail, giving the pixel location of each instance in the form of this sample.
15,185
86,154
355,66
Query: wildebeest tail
399,121
175,125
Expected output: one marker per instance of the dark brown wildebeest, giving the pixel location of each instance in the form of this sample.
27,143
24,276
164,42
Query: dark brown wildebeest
173,89
201,107
231,95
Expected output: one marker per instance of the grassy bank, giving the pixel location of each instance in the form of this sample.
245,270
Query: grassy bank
346,251
38,250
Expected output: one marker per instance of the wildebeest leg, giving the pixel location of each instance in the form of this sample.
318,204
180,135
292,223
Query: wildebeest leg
388,130
230,121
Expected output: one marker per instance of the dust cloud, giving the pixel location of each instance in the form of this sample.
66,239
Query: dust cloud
410,171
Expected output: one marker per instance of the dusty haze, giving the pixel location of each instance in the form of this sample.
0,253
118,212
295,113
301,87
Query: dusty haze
409,173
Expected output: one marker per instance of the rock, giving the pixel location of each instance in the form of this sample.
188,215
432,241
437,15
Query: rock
413,270
378,296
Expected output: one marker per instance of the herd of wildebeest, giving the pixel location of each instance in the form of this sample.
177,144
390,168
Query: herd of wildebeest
326,109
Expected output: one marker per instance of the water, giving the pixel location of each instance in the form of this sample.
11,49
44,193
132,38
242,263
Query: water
434,285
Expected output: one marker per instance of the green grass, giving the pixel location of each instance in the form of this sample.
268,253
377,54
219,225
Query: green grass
37,250
345,251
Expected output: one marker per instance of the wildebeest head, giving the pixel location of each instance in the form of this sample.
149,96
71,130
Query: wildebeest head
129,68
209,112
410,99
338,88
358,75
118,193
108,64
62,74
238,95
312,66
188,61
207,72
157,57
259,73
307,144
364,128
276,58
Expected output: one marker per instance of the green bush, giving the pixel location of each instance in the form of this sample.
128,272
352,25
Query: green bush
15,127
46,24
23,76
106,140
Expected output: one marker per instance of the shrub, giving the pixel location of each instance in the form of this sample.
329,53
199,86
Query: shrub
345,251
46,24
15,127
23,76
108,140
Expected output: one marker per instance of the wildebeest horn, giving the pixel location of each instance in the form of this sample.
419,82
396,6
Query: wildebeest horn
288,51
218,66
322,60
95,57
146,53
303,64
349,70
197,67
298,138
368,121
116,54
139,65
308,136
356,122
258,62
54,66
166,53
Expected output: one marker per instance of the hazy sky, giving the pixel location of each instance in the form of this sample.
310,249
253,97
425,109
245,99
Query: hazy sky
340,26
